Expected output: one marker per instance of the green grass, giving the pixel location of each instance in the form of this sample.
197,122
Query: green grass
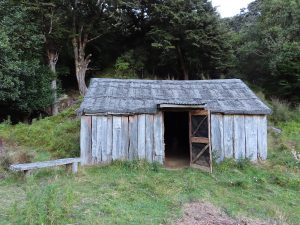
57,135
283,112
291,133
141,193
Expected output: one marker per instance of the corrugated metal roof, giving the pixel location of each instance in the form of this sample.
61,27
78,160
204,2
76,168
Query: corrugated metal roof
121,96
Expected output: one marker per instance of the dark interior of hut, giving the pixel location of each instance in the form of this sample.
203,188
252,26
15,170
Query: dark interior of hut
177,153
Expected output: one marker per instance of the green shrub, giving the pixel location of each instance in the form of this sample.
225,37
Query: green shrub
130,63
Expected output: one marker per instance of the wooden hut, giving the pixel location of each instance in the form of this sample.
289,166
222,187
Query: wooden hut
167,121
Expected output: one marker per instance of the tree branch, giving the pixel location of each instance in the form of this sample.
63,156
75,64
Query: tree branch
94,38
93,69
51,22
81,30
87,58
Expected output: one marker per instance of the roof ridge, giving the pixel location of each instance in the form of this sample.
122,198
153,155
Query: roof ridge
145,98
142,96
171,81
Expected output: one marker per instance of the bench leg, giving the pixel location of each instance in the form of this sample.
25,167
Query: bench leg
74,167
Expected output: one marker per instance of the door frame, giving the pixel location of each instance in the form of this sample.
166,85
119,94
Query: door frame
202,140
192,110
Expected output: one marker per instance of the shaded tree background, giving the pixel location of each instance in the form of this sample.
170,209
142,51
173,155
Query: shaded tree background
266,42
148,39
24,79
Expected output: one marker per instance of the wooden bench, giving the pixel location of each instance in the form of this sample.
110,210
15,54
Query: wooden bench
27,167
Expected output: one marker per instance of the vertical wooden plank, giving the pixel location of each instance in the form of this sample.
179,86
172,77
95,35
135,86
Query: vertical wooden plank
86,140
239,137
99,139
116,137
109,140
133,138
251,137
162,139
102,137
159,147
217,144
149,137
142,136
94,139
262,138
124,138
228,136
209,138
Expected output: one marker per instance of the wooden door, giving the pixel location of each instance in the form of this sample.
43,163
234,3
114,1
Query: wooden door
200,149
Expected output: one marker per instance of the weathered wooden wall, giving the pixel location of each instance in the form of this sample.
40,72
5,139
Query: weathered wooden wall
107,138
239,136
85,139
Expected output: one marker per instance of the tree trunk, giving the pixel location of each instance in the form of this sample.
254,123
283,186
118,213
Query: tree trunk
81,61
185,75
52,60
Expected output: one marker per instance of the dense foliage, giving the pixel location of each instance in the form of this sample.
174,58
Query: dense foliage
267,46
188,34
165,39
24,80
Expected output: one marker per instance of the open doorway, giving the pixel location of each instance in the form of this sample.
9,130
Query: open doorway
177,150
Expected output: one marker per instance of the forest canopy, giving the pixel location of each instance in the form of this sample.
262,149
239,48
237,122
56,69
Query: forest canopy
47,47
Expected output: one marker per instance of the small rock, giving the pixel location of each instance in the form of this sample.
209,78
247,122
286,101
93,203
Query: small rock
275,130
196,218
296,155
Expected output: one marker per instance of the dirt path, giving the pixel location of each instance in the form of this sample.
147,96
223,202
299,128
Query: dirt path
203,213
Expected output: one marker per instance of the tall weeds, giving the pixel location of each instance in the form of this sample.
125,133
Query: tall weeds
50,204
283,111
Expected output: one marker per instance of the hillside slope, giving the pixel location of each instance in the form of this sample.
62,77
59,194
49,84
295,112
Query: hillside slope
50,137
137,192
